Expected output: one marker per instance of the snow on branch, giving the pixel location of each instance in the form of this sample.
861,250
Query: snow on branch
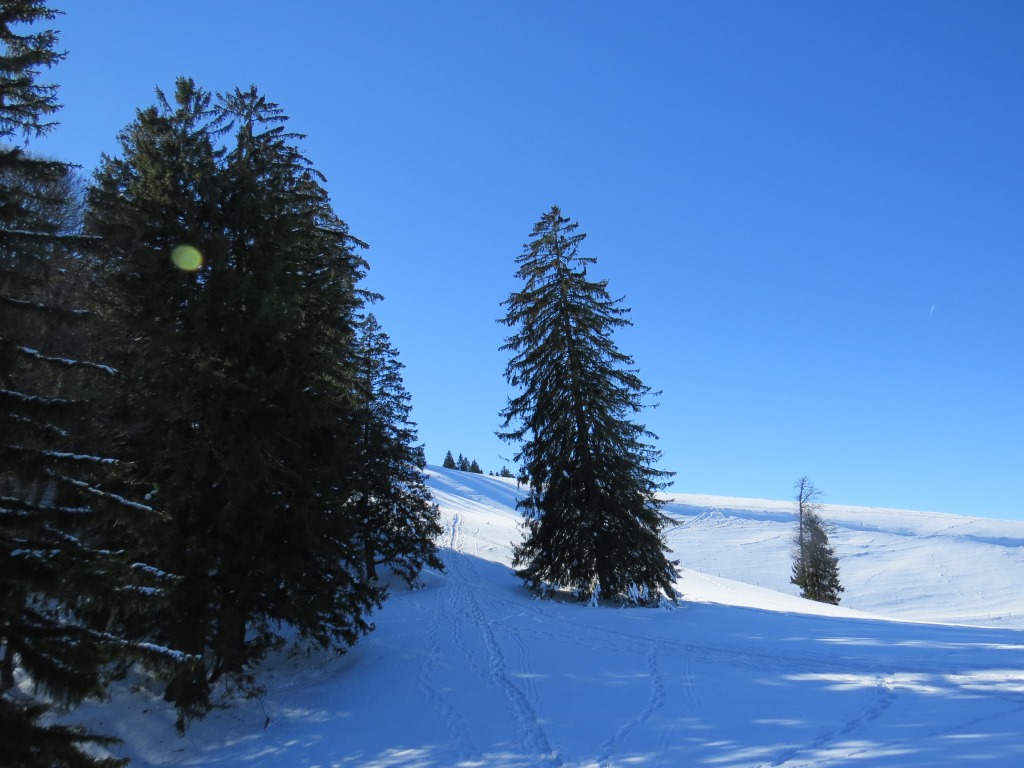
79,457
168,653
104,494
151,648
51,428
39,307
152,571
36,354
22,507
82,457
36,399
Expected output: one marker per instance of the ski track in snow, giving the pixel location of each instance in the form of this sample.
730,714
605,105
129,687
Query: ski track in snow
674,699
456,727
882,699
656,700
464,611
471,671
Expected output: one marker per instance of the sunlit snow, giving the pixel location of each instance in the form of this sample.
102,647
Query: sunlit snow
922,664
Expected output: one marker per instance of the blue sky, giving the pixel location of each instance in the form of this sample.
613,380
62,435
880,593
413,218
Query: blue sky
815,210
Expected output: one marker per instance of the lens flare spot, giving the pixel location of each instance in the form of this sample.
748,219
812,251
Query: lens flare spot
187,258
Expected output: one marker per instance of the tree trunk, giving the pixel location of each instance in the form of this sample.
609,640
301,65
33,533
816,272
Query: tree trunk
370,556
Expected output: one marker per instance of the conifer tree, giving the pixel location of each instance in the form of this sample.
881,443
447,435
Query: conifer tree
593,522
449,461
238,396
62,590
162,193
815,565
462,464
398,519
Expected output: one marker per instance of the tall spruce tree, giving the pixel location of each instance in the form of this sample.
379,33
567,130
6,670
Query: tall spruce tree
399,521
161,193
237,407
815,565
63,592
592,519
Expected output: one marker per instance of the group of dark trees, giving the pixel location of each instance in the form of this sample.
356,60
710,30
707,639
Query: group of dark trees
466,465
462,464
204,434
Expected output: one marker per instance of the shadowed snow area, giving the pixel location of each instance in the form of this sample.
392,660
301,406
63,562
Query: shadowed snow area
922,665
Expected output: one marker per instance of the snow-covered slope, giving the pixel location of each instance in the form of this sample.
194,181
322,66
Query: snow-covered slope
912,565
472,671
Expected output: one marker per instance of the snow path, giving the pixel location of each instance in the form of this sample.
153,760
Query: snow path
471,671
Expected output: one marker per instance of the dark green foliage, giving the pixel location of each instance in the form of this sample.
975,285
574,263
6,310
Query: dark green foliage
238,393
504,472
145,203
593,522
63,592
398,519
27,744
462,464
815,565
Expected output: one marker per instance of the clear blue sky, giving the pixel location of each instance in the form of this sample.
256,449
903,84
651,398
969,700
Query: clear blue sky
815,210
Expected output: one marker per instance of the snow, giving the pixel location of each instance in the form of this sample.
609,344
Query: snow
65,361
922,664
35,398
77,457
115,497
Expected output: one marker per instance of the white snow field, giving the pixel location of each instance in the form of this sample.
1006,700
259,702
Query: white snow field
922,665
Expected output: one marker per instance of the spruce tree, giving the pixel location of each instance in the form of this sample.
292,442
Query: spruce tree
815,565
63,592
162,193
592,518
449,461
399,521
238,399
